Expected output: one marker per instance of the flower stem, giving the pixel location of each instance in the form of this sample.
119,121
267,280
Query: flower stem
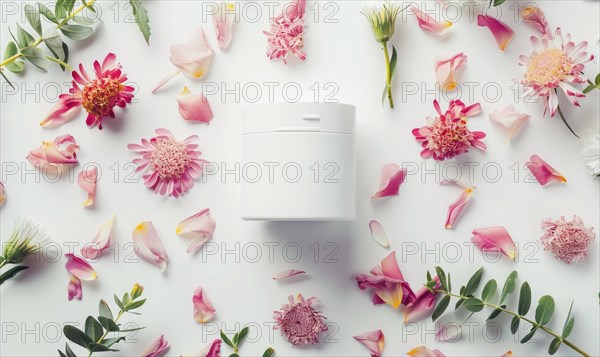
533,323
388,79
106,333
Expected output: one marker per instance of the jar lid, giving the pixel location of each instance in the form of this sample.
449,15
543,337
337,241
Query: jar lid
299,117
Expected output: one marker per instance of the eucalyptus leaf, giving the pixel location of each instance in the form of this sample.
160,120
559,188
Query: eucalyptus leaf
93,328
514,324
140,14
104,310
544,310
242,335
111,341
54,43
98,347
33,17
68,5
24,38
36,57
529,335
569,323
524,299
440,307
69,351
108,324
77,32
46,12
495,313
554,345
61,354
269,352
498,2
226,339
135,304
76,336
473,304
489,290
473,283
118,302
509,286
597,80
59,10
442,276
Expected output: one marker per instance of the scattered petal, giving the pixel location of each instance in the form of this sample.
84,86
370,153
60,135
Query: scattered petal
456,208
87,180
288,273
193,59
423,304
448,332
423,351
508,354
53,155
446,70
102,240
203,309
157,348
74,288
503,34
373,340
534,16
194,107
2,194
66,109
223,23
543,172
494,239
211,350
379,234
149,246
510,119
199,227
80,268
392,176
428,23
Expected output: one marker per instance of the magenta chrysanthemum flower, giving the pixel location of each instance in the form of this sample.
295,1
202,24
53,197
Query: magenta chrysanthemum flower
170,166
447,135
299,322
98,96
569,241
287,32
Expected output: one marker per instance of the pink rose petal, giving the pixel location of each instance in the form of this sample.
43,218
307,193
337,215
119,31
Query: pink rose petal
74,288
535,17
80,268
373,340
543,172
392,176
379,234
203,309
149,247
495,239
423,304
446,70
510,119
157,348
199,227
101,241
456,208
194,107
211,350
423,351
87,180
52,155
2,194
288,273
448,332
503,34
66,109
223,22
193,59
428,23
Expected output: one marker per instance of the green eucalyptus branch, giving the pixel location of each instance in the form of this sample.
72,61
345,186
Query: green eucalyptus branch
237,340
466,298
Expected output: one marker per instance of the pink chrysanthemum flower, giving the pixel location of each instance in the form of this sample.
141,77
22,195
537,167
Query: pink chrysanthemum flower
299,322
98,96
554,63
169,166
447,135
567,240
287,32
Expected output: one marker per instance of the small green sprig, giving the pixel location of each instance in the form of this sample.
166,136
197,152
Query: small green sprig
592,85
237,340
467,298
95,337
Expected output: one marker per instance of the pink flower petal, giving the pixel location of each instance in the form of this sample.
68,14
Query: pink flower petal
543,172
2,194
101,241
428,23
288,273
422,306
456,208
194,107
80,268
66,109
446,70
199,227
373,340
534,16
87,180
193,59
503,34
211,350
508,354
495,239
203,309
448,332
223,22
149,246
74,288
423,351
510,119
52,155
379,234
157,348
392,176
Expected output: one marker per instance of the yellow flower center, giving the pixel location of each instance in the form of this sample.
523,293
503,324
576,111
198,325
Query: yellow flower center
551,65
100,96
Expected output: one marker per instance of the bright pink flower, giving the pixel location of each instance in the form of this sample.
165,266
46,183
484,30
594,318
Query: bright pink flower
456,208
428,23
194,107
534,16
199,227
287,32
423,351
74,288
510,119
373,340
387,283
446,70
170,166
157,348
149,247
447,135
211,350
87,180
495,239
423,304
379,234
288,274
223,22
203,309
543,172
53,155
569,241
299,322
101,241
98,96
502,33
2,194
80,268
555,63
392,176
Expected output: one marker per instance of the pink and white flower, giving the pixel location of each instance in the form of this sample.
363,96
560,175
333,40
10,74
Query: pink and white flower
169,166
149,246
199,227
373,340
510,119
80,268
101,241
287,32
299,322
569,241
54,155
87,180
495,239
74,290
543,172
203,309
446,69
157,348
223,20
502,33
194,107
392,176
428,23
98,95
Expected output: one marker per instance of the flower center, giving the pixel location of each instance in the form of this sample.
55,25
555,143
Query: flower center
169,159
100,96
551,65
449,137
299,322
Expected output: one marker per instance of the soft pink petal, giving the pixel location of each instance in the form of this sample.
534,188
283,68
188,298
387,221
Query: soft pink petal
193,59
494,239
379,234
194,107
510,119
534,16
2,194
165,80
101,241
503,34
74,288
223,23
149,247
80,268
157,348
389,266
199,227
52,155
423,351
373,340
456,208
543,172
446,70
203,309
428,23
392,176
448,332
87,180
422,306
63,111
211,350
288,273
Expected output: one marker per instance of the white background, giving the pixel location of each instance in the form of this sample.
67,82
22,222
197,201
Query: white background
238,284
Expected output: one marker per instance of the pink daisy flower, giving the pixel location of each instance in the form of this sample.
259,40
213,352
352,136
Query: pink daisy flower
569,241
98,96
299,322
447,135
287,32
169,166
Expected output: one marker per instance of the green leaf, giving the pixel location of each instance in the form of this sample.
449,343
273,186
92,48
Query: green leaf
82,21
554,345
59,10
24,38
473,283
524,299
509,286
98,347
442,276
590,88
76,336
241,336
11,50
104,310
473,304
135,304
46,12
489,290
597,80
429,276
544,310
495,313
125,299
132,329
226,339
514,324
61,354
440,307
108,324
393,61
36,57
33,17
529,335
77,32
68,350
449,283
498,2
119,302
111,341
93,328
11,273
141,18
68,5
54,43
268,352
569,323
460,301
234,355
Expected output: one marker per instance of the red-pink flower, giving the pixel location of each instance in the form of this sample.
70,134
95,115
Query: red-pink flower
502,33
569,241
169,166
373,340
543,172
448,135
387,283
98,95
53,155
287,32
299,322
157,348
